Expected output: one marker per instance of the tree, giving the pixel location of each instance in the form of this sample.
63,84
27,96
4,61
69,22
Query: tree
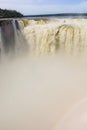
4,13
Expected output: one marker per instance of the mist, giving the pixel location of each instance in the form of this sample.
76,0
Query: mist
36,93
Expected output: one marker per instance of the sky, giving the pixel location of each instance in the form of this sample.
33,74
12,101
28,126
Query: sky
32,7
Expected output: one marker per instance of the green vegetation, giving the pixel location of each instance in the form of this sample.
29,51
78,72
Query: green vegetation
4,13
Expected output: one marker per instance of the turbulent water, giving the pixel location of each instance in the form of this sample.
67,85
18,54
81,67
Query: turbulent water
66,35
43,74
46,36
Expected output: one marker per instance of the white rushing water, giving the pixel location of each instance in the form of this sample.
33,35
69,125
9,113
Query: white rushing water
48,92
67,35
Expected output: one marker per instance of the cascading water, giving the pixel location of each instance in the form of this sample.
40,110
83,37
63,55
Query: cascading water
69,35
44,36
12,40
38,93
7,36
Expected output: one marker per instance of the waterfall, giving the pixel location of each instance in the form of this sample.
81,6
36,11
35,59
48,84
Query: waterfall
66,35
12,40
43,36
46,92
